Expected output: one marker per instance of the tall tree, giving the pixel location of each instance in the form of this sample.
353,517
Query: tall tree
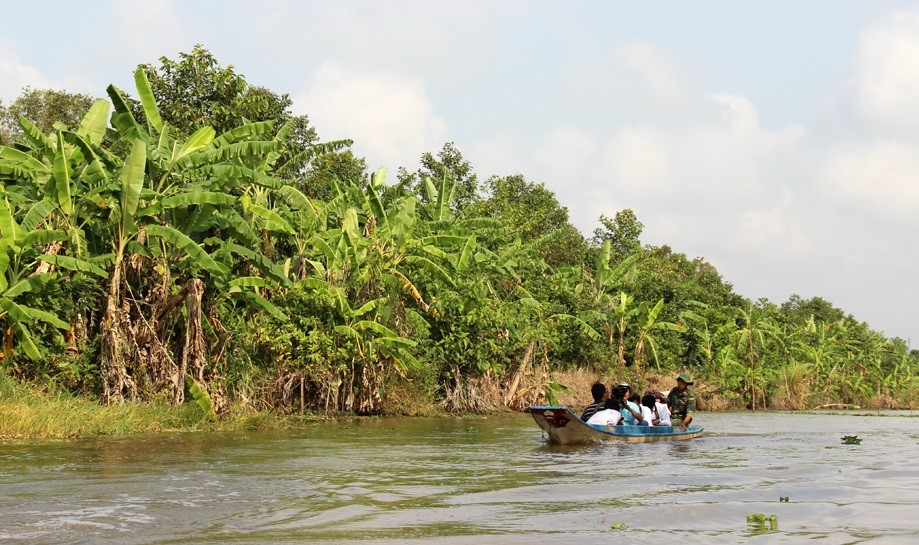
450,164
527,208
327,170
44,108
622,231
196,91
531,211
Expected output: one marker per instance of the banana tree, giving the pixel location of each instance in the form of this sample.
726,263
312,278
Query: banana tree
611,306
21,273
171,201
369,258
698,324
750,340
821,346
647,334
17,317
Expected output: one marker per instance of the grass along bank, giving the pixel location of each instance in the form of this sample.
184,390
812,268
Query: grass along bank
30,411
26,412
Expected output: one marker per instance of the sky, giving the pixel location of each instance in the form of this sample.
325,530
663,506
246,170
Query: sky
777,140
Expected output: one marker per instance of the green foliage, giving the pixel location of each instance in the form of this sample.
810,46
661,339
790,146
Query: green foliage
851,440
450,165
761,524
201,229
44,108
195,91
201,398
551,389
623,232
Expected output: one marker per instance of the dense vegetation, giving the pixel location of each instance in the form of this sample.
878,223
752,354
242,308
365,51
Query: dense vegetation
198,243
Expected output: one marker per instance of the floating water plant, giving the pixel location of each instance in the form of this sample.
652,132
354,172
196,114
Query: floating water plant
619,526
760,523
851,440
783,499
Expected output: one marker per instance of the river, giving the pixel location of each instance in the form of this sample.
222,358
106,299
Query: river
488,480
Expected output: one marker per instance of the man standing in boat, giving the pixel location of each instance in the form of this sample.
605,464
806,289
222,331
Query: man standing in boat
682,402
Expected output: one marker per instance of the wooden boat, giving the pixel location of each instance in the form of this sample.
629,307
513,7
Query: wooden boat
565,428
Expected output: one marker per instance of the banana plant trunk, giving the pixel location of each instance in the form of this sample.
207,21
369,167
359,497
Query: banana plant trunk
621,350
117,384
752,354
194,360
519,374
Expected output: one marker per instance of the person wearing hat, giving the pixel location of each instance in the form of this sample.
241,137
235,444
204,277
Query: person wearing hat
681,401
631,413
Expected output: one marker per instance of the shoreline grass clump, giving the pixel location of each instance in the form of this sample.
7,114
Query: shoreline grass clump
27,412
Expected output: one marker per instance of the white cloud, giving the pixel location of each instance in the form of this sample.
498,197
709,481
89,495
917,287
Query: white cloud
14,74
875,168
641,158
657,78
737,113
882,176
388,115
632,82
563,151
146,31
445,41
886,74
700,184
502,154
774,228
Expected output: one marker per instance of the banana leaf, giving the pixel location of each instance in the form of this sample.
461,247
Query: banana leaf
182,242
261,303
74,264
200,396
61,172
93,124
37,214
147,100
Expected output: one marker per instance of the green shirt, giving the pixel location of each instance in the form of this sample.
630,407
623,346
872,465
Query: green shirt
681,405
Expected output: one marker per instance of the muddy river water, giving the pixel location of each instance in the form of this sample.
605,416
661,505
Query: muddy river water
490,480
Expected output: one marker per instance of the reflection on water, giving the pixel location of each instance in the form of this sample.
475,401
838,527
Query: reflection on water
476,480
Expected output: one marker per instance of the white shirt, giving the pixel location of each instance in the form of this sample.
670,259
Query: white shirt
664,413
606,417
646,414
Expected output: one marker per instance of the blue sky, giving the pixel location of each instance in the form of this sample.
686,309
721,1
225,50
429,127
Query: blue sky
778,140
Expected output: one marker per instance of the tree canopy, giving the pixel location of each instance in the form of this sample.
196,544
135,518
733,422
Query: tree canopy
44,108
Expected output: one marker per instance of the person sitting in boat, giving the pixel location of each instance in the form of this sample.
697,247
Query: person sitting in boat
600,395
648,410
631,414
661,411
608,416
645,419
682,402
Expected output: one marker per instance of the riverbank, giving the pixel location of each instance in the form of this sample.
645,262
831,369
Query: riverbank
28,411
